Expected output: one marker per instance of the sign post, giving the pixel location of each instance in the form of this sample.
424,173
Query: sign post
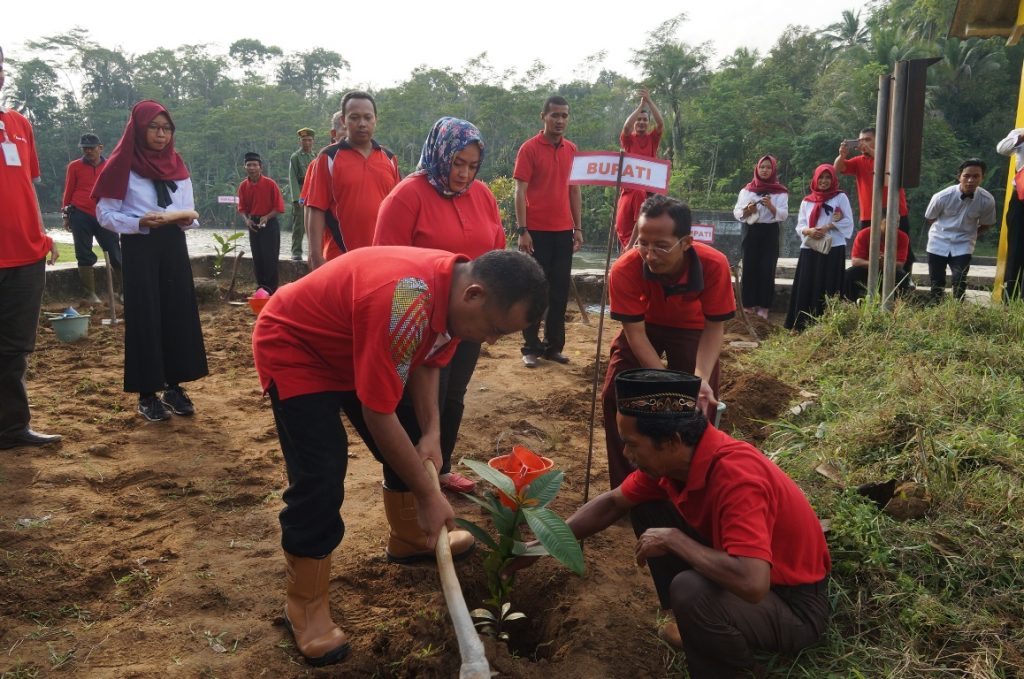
605,168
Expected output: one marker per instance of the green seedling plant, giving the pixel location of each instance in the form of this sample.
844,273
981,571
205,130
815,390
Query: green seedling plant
531,510
225,246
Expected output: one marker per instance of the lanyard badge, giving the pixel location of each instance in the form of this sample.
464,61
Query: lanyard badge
10,149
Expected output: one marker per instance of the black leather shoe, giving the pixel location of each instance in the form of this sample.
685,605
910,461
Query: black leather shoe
530,361
29,438
178,402
557,357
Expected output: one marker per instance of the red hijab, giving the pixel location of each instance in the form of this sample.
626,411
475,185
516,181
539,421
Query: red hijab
770,185
819,197
132,154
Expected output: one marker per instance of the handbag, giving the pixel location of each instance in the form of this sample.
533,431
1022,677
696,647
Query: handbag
822,245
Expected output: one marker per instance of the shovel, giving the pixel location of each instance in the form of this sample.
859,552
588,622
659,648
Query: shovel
474,661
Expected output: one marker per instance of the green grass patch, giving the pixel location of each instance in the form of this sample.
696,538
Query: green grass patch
67,252
936,396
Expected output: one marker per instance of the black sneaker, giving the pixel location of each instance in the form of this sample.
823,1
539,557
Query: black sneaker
177,402
152,409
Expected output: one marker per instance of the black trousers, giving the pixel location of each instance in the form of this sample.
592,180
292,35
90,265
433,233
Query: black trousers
1013,276
84,228
959,265
855,284
265,245
720,631
315,448
908,265
454,381
163,341
760,256
553,251
21,296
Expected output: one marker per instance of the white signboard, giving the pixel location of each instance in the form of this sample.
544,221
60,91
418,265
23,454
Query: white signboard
600,168
227,200
704,233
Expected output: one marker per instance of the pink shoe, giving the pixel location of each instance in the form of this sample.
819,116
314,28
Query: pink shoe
457,483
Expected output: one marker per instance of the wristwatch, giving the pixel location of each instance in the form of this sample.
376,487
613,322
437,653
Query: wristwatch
520,230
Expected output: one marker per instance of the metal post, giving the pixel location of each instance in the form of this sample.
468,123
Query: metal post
600,326
892,222
113,320
881,155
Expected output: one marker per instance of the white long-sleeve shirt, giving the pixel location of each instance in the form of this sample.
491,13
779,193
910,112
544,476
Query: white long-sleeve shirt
955,229
1010,147
761,215
843,227
122,216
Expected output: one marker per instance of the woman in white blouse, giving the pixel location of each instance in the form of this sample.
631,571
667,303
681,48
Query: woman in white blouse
824,224
762,205
144,194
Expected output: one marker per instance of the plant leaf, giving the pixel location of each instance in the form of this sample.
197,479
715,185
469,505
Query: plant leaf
478,532
520,549
544,488
556,536
482,614
492,476
515,616
503,517
504,608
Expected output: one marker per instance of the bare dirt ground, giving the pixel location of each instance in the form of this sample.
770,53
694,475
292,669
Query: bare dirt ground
139,549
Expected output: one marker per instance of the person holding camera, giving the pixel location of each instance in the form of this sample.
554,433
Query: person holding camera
79,210
762,204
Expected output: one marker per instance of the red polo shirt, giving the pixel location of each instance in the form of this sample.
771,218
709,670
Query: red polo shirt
862,168
545,168
78,183
641,144
22,240
416,214
744,505
260,198
351,188
361,322
862,245
702,291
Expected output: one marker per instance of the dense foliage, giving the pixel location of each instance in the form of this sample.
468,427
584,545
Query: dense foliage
816,86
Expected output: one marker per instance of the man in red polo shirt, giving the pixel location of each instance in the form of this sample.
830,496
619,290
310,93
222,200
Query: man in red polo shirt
548,223
348,181
736,552
23,248
349,337
862,168
260,202
673,297
856,279
80,214
640,137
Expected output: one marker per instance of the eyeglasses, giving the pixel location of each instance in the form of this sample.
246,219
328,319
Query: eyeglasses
166,129
642,247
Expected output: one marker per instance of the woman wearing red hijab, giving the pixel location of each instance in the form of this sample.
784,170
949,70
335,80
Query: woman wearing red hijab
144,194
762,205
825,217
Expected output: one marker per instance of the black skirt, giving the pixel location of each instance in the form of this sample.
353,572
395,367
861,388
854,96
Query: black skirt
817,276
163,341
760,256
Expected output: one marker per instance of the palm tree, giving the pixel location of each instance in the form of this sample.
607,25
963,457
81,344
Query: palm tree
847,33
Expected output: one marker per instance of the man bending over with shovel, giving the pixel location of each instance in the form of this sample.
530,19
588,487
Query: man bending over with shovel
348,337
735,549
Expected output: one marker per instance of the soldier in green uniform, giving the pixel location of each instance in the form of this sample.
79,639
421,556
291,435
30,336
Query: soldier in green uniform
297,165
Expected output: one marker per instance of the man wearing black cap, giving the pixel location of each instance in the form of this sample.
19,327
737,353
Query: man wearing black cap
80,214
260,202
297,166
735,549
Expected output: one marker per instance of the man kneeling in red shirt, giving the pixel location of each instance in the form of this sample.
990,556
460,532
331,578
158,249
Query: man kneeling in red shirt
348,337
735,549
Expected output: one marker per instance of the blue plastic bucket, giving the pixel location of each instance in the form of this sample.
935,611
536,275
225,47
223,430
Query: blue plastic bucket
70,328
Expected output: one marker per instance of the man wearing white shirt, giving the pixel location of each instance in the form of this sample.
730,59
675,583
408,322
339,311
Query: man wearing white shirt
956,215
1013,276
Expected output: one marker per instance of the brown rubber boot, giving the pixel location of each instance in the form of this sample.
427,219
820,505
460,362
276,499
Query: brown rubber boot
407,543
88,278
307,611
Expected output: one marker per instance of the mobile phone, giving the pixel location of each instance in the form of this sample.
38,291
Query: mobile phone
852,143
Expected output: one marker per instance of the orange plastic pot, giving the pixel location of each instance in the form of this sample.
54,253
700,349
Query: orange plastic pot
257,304
522,465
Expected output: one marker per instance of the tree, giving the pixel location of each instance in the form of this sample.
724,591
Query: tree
847,33
35,91
309,73
251,55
